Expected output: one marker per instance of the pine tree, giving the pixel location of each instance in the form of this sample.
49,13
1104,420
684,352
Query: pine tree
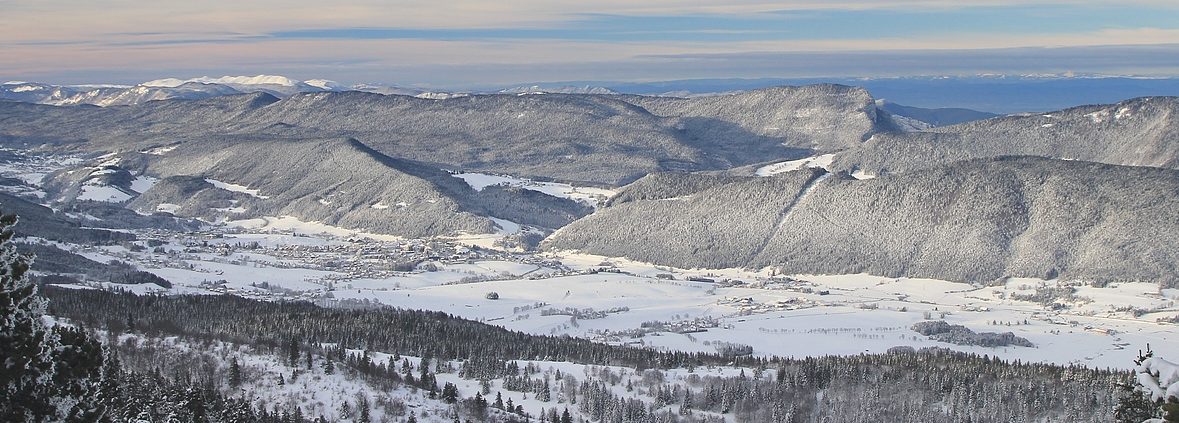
1133,406
565,417
328,367
499,401
1136,406
108,388
544,394
26,343
362,406
480,403
293,351
78,363
424,378
235,374
450,393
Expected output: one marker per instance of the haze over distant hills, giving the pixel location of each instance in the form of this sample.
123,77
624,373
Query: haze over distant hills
999,94
988,93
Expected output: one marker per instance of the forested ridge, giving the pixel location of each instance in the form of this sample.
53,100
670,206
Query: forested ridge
414,332
976,221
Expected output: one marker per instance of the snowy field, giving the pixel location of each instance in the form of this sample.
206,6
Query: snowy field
625,302
589,195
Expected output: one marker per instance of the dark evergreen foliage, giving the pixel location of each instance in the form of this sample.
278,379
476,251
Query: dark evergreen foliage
419,333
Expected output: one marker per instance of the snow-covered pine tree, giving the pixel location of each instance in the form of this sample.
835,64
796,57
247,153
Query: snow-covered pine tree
1152,399
26,342
235,374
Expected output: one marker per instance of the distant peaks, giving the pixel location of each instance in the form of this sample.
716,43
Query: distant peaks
230,80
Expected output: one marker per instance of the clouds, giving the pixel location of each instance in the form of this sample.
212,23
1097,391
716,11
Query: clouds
417,40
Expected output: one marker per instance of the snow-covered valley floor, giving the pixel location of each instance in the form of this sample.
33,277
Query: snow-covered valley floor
624,302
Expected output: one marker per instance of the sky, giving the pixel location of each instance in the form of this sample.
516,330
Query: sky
473,44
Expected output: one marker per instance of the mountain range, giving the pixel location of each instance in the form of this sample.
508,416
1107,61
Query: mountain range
1084,192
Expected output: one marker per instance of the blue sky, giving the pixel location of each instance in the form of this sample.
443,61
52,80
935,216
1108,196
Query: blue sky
465,43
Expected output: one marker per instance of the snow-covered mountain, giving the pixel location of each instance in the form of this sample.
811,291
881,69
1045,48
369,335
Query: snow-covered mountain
191,89
280,86
563,89
978,221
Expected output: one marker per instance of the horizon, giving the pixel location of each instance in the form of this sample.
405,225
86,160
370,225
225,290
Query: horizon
470,44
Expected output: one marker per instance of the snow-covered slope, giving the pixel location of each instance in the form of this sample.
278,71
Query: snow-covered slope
563,89
110,95
271,84
603,139
191,89
1136,132
970,221
339,182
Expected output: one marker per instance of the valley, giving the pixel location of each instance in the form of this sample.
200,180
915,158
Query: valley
787,252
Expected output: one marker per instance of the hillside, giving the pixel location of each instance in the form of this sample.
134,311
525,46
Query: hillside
339,182
1137,132
822,117
602,139
974,221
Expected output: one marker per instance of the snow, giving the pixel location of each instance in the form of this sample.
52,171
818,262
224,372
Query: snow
294,225
506,227
820,161
792,315
26,88
1123,113
168,207
440,95
103,193
589,195
237,80
325,84
159,151
861,174
143,183
164,83
1159,377
236,188
908,124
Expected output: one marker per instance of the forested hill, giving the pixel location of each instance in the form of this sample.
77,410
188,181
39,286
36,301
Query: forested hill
1136,132
972,221
594,138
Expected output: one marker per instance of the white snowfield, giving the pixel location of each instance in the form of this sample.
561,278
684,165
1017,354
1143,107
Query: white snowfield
820,161
103,193
236,188
590,195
